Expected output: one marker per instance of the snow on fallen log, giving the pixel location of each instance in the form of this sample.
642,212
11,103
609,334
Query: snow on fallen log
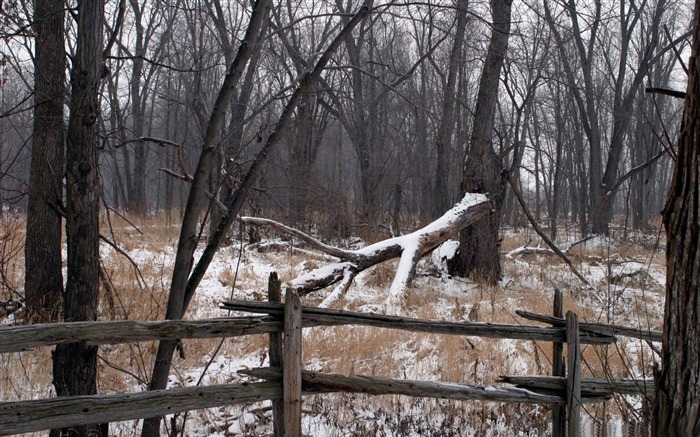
408,248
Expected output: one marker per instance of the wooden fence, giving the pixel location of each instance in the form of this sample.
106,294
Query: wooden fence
286,382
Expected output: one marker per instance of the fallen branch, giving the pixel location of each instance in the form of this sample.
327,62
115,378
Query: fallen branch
409,248
542,234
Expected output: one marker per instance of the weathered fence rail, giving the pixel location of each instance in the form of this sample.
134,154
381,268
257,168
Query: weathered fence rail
600,328
589,386
286,381
313,316
316,382
38,415
21,338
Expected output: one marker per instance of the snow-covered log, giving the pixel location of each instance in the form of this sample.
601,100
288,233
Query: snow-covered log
409,248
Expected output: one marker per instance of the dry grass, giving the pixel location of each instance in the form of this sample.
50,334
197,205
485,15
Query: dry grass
142,295
12,228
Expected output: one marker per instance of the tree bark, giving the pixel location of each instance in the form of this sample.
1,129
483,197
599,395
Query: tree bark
677,401
43,283
483,168
75,364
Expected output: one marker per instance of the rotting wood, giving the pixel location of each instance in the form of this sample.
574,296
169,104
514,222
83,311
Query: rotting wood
292,364
599,328
21,338
316,382
38,415
313,316
573,382
274,294
589,386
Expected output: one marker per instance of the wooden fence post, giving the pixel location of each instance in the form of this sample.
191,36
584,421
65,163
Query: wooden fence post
291,370
274,294
558,369
573,382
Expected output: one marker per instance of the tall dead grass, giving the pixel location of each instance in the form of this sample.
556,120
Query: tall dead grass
141,294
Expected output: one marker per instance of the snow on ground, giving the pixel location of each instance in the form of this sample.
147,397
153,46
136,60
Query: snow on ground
628,290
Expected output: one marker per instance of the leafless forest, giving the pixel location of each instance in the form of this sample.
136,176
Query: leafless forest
343,121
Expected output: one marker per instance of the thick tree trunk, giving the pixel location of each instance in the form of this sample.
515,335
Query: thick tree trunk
75,364
43,282
677,402
483,168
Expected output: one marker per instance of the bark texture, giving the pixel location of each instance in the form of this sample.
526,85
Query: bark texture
75,364
677,401
43,282
483,167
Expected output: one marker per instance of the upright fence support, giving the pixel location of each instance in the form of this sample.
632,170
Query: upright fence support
274,294
291,370
573,382
558,369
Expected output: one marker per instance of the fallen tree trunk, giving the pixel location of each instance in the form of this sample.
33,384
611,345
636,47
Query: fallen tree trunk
409,248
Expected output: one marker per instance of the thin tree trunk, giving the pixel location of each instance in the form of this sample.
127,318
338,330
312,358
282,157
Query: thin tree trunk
43,278
195,205
75,364
677,400
443,142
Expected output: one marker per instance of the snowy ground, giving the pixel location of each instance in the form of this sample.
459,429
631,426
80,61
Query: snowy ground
628,281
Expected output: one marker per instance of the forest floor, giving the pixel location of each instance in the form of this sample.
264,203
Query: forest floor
627,274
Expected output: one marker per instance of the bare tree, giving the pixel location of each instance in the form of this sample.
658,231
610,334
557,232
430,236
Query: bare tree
677,400
605,130
195,203
445,129
483,168
75,364
43,283
184,283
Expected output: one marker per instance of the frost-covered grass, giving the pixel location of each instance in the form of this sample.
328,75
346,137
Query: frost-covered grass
628,281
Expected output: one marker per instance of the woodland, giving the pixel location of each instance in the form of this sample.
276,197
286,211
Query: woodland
401,124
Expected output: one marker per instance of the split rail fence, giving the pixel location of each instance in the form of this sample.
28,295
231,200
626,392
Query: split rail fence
286,382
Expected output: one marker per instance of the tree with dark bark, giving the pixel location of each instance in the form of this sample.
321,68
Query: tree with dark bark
75,364
186,277
483,167
43,283
677,401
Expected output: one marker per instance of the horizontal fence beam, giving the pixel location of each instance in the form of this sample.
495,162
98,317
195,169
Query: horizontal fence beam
38,415
316,382
21,338
313,316
598,328
589,386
